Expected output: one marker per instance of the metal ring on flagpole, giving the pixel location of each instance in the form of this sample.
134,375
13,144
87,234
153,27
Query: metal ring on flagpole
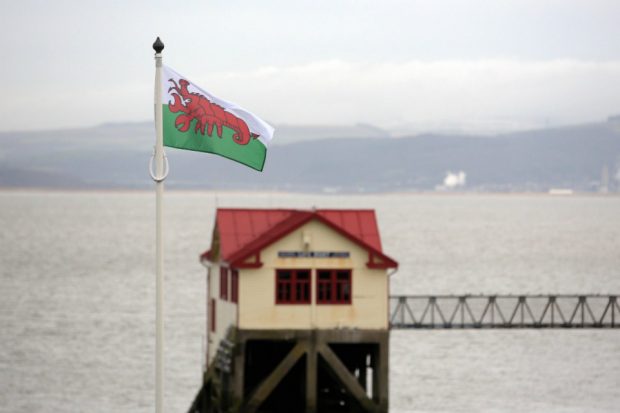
166,169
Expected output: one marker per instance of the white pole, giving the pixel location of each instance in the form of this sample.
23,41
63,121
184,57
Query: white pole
159,177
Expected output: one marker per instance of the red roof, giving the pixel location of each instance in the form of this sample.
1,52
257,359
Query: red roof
244,232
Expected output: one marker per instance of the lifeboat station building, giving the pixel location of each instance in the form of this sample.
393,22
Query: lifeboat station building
297,312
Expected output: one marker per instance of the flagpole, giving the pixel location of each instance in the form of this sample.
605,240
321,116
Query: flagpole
159,176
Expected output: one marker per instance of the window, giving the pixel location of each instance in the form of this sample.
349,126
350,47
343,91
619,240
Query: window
224,283
212,315
333,287
292,286
234,286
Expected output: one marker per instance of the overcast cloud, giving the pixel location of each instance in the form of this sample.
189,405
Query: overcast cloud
491,65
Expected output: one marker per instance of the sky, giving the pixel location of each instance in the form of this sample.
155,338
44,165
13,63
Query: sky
415,64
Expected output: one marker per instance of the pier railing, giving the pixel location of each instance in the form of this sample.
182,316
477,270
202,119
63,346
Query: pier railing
504,311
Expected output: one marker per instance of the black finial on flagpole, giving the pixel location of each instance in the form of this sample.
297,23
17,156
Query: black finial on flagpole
158,46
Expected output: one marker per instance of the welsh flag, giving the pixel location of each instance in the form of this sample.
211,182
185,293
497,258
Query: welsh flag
196,120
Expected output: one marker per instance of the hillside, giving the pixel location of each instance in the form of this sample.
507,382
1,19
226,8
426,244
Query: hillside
359,158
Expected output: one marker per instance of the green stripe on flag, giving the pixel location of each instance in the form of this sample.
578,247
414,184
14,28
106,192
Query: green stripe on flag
253,154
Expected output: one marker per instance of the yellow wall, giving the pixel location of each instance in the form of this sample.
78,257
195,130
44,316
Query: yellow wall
368,310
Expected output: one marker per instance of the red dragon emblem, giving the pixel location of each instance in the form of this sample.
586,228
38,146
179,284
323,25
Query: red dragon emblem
207,114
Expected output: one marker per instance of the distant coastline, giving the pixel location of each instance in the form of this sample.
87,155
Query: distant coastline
215,192
358,159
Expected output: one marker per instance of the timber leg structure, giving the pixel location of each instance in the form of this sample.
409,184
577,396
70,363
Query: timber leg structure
299,371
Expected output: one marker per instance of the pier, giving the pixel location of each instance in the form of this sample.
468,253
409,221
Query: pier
503,311
299,313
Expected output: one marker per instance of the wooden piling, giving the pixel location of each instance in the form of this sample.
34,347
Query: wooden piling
325,353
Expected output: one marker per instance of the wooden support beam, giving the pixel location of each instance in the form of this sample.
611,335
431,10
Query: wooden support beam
264,389
238,373
346,378
311,377
381,375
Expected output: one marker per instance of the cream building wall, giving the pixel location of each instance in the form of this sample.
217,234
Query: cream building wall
369,306
225,312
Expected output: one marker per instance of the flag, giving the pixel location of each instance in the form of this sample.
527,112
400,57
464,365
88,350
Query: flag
195,120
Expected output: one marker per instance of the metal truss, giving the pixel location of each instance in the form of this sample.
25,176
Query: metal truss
504,311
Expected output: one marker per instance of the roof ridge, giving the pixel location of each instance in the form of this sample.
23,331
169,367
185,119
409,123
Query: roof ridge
346,209
253,209
297,209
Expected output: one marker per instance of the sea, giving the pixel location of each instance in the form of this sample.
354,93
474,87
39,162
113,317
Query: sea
77,299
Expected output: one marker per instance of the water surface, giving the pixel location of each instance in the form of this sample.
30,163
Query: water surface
77,298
